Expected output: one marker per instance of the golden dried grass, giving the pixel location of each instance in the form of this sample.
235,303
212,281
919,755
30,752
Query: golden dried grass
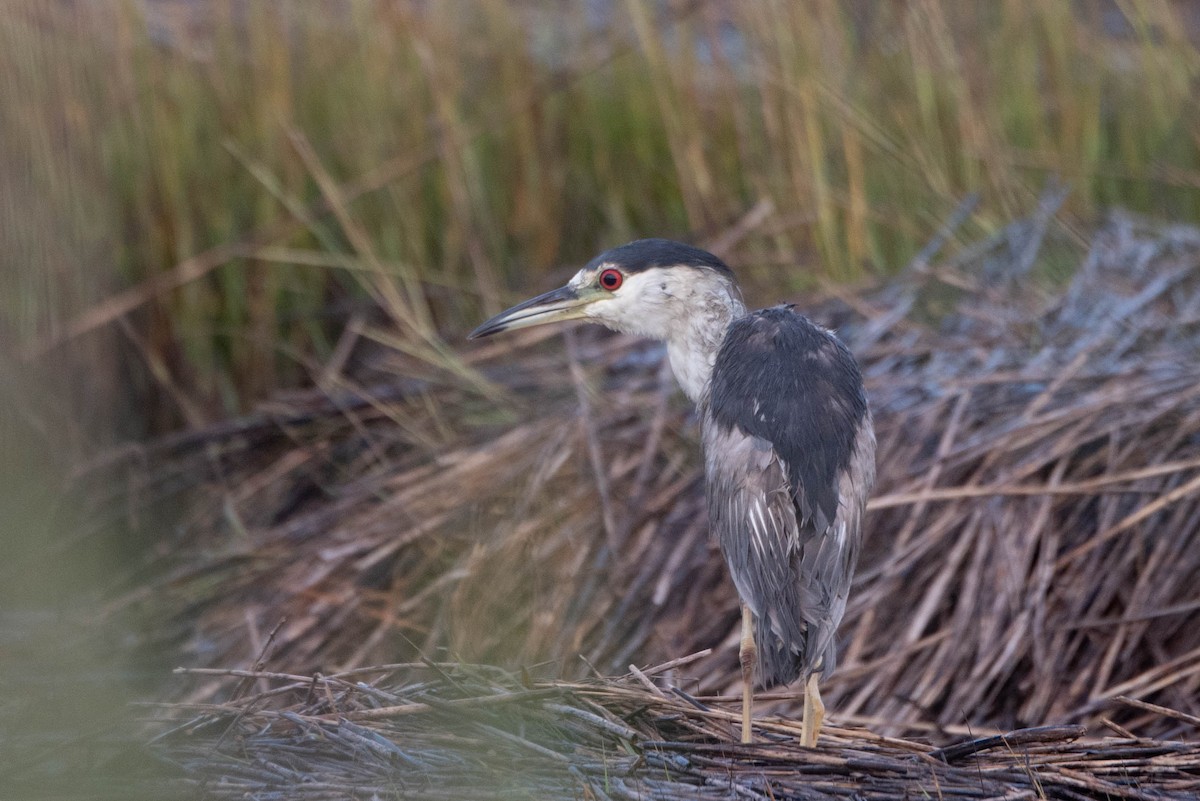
1032,549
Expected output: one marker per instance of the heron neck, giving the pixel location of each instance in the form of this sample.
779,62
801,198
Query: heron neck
692,346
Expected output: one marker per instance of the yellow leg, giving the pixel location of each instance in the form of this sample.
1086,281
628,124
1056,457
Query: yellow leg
749,657
814,713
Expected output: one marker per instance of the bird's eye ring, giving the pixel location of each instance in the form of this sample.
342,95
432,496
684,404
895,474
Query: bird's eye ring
611,279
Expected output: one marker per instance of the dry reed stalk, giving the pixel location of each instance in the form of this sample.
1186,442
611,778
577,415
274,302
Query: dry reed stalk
1033,549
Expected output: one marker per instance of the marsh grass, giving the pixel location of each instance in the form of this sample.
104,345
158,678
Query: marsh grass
1030,552
409,164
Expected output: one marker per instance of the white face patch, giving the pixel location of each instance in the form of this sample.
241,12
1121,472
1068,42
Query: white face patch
642,304
585,278
688,308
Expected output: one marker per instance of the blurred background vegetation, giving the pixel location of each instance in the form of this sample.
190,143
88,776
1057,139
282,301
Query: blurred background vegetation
198,197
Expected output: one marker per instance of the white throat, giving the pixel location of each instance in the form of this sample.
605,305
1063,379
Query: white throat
692,349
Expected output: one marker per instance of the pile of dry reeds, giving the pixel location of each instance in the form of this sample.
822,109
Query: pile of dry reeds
456,731
1033,550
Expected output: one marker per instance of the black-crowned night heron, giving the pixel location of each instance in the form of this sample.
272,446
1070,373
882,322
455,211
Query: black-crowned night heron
789,449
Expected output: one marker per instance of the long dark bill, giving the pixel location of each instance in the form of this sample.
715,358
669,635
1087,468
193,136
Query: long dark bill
557,305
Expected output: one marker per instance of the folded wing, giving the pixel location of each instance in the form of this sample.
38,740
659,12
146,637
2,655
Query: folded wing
790,459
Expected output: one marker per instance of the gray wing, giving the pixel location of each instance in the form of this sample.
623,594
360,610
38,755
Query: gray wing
790,461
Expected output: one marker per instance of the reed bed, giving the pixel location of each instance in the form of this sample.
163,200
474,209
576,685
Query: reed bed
253,220
430,730
1031,556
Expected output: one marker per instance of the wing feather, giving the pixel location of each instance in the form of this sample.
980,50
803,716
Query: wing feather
790,460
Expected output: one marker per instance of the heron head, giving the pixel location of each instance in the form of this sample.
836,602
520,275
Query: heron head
648,287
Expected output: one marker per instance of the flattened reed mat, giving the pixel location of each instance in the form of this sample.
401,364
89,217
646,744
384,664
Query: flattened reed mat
457,731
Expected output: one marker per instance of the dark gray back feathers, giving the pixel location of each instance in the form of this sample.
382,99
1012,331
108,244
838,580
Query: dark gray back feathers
783,379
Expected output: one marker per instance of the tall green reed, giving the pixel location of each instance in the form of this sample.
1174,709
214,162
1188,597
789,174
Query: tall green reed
424,159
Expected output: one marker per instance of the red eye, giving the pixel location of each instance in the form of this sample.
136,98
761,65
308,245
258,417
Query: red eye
611,279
